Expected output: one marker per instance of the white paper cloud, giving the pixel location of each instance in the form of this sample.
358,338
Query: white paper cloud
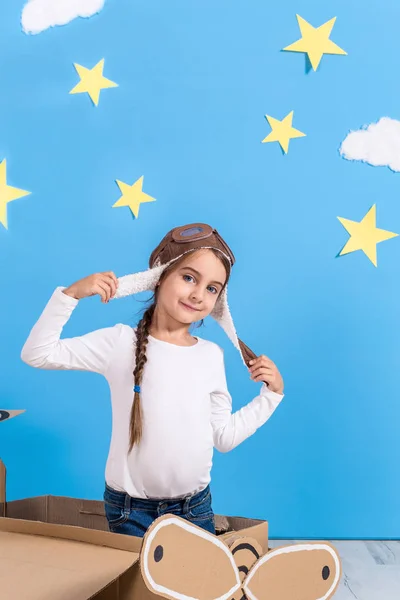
38,15
377,144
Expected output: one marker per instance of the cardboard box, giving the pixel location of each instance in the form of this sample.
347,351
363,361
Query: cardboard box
44,561
59,548
54,547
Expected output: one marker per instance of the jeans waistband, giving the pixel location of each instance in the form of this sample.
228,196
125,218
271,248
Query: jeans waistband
123,499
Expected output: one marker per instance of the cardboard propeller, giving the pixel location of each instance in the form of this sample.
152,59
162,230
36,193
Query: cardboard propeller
181,561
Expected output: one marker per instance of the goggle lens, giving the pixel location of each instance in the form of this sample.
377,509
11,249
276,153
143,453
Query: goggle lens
192,231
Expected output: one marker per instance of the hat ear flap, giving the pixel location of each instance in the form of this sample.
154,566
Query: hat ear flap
222,314
145,281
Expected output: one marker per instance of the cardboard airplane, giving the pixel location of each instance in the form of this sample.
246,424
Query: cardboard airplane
60,548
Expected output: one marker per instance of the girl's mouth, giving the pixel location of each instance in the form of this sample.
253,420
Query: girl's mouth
189,307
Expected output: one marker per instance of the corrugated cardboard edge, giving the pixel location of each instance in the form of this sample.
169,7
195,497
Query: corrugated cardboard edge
70,532
61,510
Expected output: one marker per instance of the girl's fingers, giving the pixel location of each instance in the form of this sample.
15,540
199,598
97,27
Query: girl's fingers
274,382
267,378
113,276
98,289
267,371
108,280
106,289
262,361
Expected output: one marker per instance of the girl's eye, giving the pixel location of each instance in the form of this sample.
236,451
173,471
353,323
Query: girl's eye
190,278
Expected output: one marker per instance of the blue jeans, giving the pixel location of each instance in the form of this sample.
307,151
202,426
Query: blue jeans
133,516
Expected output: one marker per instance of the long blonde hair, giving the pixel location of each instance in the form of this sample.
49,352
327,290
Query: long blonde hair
142,336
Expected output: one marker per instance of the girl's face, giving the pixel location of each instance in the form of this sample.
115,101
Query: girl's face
189,293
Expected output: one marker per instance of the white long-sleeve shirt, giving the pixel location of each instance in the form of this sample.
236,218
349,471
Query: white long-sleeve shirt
186,406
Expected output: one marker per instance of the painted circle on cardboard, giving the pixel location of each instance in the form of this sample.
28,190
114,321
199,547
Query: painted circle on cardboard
4,415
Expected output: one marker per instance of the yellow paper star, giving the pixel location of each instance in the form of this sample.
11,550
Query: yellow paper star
282,131
364,235
92,81
7,193
315,41
132,196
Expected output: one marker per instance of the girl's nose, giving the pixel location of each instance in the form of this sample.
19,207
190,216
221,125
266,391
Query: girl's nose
197,295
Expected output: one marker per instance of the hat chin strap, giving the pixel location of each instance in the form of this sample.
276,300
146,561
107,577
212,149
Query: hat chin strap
146,281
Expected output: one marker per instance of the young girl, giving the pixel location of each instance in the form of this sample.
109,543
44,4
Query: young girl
163,434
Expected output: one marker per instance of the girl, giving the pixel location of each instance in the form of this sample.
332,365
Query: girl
163,435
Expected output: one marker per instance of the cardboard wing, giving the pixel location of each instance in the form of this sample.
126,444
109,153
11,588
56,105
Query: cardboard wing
180,561
9,414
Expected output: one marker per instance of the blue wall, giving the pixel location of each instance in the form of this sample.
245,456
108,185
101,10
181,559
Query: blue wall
195,81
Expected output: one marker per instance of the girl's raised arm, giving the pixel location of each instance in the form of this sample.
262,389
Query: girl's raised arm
91,352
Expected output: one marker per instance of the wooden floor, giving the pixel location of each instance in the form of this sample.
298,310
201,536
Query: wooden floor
371,570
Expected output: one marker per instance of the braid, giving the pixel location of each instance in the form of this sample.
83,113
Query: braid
142,335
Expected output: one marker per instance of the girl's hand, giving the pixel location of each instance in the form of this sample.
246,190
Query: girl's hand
103,284
263,369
